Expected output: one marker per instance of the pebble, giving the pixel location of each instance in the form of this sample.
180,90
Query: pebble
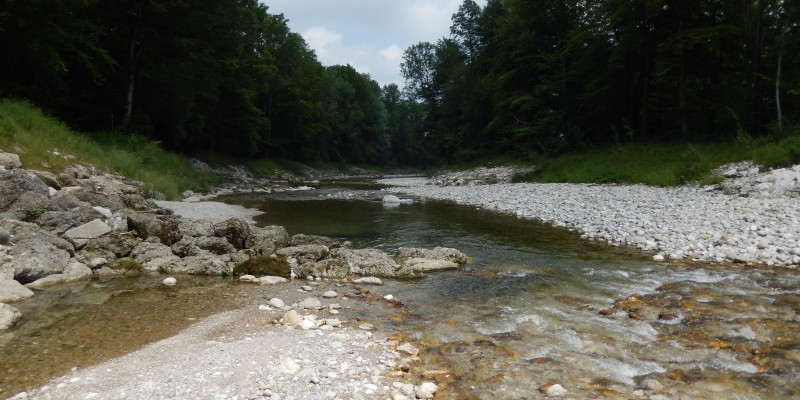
426,390
276,302
169,281
555,390
309,302
330,294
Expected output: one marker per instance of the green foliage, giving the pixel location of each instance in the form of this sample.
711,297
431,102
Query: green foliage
45,143
32,213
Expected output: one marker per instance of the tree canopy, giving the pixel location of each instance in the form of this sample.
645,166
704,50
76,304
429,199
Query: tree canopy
514,77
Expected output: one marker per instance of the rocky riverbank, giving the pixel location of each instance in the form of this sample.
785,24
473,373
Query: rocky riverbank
85,224
752,217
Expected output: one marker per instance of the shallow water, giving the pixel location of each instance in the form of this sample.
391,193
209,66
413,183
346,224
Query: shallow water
535,306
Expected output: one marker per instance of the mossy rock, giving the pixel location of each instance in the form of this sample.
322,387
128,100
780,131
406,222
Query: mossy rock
126,265
264,265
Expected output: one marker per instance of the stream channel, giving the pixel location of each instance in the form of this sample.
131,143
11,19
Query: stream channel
535,306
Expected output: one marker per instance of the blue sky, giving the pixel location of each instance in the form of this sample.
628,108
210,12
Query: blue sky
370,35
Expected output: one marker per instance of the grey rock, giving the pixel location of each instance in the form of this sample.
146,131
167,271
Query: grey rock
8,316
209,265
5,237
301,239
9,160
437,253
235,230
267,239
310,302
74,272
195,246
146,225
423,265
369,280
91,230
11,290
373,262
35,256
154,256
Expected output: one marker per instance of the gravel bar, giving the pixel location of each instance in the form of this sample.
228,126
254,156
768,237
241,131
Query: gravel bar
674,223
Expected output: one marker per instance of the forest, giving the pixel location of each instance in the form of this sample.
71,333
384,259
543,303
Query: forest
515,78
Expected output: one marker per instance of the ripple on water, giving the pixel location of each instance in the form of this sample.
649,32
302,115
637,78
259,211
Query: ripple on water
624,368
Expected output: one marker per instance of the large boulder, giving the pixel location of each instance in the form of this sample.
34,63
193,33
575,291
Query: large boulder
208,264
74,272
262,265
36,256
28,206
112,245
235,230
16,182
8,316
195,227
302,239
195,246
307,253
267,239
437,253
154,256
373,262
164,227
332,268
12,290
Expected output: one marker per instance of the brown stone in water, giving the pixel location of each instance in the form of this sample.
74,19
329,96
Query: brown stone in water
439,375
718,344
631,304
446,349
541,360
763,350
606,311
668,315
636,316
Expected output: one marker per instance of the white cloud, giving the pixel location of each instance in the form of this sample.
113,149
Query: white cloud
320,37
367,34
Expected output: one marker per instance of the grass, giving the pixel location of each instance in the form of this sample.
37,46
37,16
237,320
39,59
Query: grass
664,164
45,143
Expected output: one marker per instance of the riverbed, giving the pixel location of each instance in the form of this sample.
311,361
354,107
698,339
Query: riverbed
537,306
540,305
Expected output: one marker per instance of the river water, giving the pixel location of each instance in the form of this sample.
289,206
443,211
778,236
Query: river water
535,306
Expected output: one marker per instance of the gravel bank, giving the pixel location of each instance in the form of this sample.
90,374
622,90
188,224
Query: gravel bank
677,223
233,355
213,211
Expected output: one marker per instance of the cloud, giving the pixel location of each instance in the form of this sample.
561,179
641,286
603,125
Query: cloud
320,37
367,34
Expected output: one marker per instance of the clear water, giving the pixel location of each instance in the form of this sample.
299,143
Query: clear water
524,313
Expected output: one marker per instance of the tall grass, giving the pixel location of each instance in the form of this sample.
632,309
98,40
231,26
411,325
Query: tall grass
45,143
664,164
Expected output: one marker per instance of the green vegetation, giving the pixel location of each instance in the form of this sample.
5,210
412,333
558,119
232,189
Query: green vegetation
662,164
44,143
520,80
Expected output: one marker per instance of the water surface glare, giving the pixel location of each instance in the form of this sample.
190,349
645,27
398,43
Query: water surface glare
537,305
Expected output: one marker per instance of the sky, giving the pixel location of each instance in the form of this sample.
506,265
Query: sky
370,35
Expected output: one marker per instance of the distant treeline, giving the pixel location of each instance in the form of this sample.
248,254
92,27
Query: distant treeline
516,78
533,77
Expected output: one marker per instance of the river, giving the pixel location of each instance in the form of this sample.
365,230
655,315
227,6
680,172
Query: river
535,306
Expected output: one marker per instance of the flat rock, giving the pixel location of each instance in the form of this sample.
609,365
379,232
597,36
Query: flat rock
310,302
369,280
74,272
272,280
429,264
12,290
10,160
90,230
330,294
8,316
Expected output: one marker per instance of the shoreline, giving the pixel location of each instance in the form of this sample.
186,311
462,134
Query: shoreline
679,223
